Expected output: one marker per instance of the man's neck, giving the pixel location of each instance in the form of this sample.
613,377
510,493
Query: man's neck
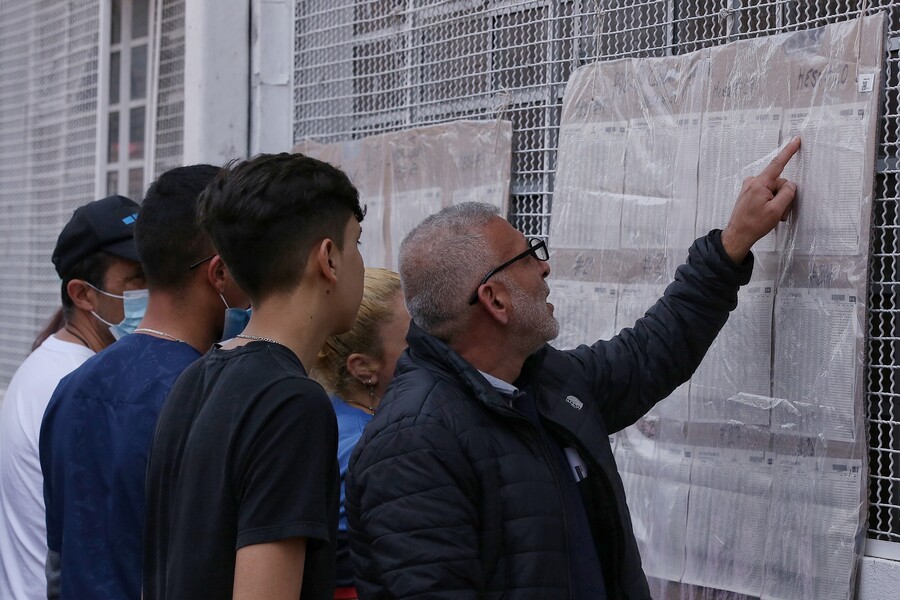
491,354
298,321
507,371
79,330
180,318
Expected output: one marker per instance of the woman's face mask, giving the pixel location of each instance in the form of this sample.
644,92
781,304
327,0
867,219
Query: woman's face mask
134,303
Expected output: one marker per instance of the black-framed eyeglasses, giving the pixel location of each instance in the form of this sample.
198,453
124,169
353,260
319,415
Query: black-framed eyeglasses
536,248
200,262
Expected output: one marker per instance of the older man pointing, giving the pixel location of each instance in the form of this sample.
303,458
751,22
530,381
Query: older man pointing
487,471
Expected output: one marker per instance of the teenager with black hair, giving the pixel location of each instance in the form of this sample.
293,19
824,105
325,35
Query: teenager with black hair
243,478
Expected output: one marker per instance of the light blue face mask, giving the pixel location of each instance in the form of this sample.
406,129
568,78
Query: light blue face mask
236,320
134,303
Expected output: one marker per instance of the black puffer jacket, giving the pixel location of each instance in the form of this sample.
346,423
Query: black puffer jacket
450,493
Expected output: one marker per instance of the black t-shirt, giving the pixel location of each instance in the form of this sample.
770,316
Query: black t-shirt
244,453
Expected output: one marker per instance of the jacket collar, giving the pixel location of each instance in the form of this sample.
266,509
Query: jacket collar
425,348
430,352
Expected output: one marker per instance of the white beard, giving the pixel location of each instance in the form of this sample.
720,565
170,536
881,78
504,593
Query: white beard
533,324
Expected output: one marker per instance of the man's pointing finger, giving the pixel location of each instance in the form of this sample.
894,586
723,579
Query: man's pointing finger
774,168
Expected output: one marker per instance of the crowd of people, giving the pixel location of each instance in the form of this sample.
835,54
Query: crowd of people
230,405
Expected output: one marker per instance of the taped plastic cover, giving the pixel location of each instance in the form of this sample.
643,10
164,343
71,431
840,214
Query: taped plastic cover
405,176
749,479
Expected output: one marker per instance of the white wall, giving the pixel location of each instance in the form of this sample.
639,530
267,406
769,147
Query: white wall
271,76
879,579
217,80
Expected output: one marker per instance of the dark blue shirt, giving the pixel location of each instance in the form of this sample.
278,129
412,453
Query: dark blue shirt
94,444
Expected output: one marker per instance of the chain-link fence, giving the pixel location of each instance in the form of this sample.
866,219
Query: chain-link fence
48,137
371,66
49,74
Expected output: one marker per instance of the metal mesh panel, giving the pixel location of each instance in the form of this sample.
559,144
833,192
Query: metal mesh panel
370,66
48,114
883,376
170,86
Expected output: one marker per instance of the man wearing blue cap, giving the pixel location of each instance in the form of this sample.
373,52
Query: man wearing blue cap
96,259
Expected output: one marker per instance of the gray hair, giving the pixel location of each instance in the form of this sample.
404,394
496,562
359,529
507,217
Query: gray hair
441,261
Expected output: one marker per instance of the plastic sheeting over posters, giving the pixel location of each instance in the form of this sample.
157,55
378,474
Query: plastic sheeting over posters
405,176
749,480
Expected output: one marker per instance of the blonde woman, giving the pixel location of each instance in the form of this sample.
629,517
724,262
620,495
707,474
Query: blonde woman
356,368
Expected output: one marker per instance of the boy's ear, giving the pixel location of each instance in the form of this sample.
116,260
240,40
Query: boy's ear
325,254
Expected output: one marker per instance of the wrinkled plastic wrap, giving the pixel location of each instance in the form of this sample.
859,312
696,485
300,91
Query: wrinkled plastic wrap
749,481
403,177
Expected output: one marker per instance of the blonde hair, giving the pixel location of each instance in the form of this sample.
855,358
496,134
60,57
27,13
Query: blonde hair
380,293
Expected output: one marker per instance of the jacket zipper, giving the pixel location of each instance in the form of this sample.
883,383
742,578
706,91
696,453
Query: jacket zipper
607,488
545,452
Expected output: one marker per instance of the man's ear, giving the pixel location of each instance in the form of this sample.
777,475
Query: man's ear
81,294
494,299
363,368
216,273
325,257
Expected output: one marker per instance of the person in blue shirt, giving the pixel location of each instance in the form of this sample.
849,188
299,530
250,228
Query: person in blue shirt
96,433
356,368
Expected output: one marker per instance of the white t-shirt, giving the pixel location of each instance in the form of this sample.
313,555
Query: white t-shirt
23,530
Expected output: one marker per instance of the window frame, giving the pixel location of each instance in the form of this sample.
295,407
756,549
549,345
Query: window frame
123,165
